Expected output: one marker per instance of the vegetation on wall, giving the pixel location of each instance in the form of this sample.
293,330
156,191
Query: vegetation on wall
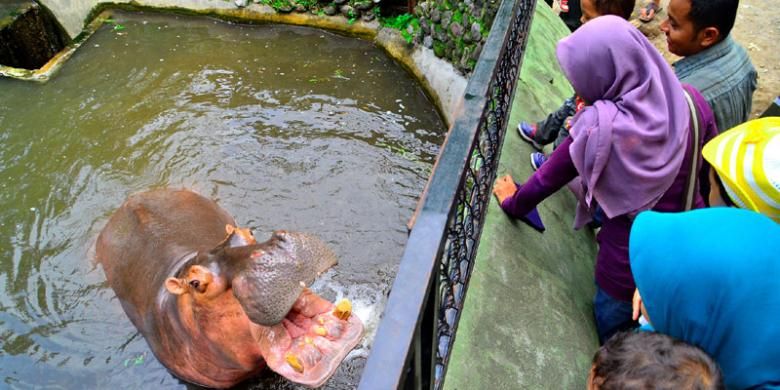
454,29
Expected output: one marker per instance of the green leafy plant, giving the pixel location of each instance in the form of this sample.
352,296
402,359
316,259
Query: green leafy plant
402,23
277,4
457,17
112,22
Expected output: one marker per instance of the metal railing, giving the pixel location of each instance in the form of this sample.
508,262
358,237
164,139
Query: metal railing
413,343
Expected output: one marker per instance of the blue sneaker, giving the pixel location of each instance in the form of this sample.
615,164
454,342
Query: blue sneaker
537,159
527,132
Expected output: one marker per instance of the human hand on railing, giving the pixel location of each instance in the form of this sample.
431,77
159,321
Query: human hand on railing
504,188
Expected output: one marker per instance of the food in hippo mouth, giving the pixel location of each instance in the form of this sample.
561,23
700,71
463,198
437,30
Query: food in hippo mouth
307,346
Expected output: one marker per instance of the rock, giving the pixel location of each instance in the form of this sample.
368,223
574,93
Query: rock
364,5
465,64
300,8
348,11
457,52
438,49
435,15
476,32
477,51
456,29
241,3
339,2
446,18
425,26
466,55
428,41
330,10
367,16
438,33
422,9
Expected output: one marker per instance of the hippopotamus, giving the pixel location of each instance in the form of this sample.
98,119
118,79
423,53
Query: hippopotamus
215,306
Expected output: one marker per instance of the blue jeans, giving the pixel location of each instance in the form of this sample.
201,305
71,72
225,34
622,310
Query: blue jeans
612,315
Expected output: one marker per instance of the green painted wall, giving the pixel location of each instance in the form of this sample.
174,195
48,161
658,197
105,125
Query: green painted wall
527,321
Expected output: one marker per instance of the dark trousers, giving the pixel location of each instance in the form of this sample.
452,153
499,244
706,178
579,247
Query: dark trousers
612,315
553,128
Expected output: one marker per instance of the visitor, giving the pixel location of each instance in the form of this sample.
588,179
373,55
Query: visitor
631,148
718,67
709,277
746,162
555,127
648,12
570,12
647,360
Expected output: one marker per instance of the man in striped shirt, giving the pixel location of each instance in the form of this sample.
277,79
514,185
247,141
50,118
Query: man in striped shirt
714,64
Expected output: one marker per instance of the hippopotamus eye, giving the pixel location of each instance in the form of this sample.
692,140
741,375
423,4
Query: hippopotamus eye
195,283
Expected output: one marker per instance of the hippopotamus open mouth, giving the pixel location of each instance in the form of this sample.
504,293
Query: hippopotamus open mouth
302,336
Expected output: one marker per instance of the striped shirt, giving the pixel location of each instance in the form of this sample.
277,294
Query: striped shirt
725,77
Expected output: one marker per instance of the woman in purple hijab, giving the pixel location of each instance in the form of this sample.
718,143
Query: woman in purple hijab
630,150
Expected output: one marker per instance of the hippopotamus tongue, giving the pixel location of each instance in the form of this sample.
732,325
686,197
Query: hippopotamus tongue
276,274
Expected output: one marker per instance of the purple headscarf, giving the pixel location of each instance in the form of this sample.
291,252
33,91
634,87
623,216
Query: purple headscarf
628,145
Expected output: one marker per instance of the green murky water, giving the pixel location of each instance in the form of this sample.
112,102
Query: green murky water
286,127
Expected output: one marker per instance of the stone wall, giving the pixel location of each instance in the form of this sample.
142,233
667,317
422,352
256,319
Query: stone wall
456,30
74,14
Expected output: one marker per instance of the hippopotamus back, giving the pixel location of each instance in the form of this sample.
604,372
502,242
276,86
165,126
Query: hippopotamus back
152,234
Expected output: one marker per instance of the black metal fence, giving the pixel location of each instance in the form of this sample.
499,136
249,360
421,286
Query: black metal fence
413,343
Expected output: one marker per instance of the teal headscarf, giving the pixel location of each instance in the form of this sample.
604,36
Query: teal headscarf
711,277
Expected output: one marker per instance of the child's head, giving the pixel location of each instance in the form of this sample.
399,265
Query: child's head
695,25
646,360
595,8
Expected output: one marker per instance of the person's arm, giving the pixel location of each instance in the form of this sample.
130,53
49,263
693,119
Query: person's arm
555,173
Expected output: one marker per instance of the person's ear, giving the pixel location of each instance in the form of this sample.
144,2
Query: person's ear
709,36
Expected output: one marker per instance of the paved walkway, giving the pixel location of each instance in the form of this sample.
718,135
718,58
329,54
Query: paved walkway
527,321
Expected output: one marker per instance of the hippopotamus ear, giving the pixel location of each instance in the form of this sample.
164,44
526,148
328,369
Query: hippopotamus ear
175,286
225,243
197,279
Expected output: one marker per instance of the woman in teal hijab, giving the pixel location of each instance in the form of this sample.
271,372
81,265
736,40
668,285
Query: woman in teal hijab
711,277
